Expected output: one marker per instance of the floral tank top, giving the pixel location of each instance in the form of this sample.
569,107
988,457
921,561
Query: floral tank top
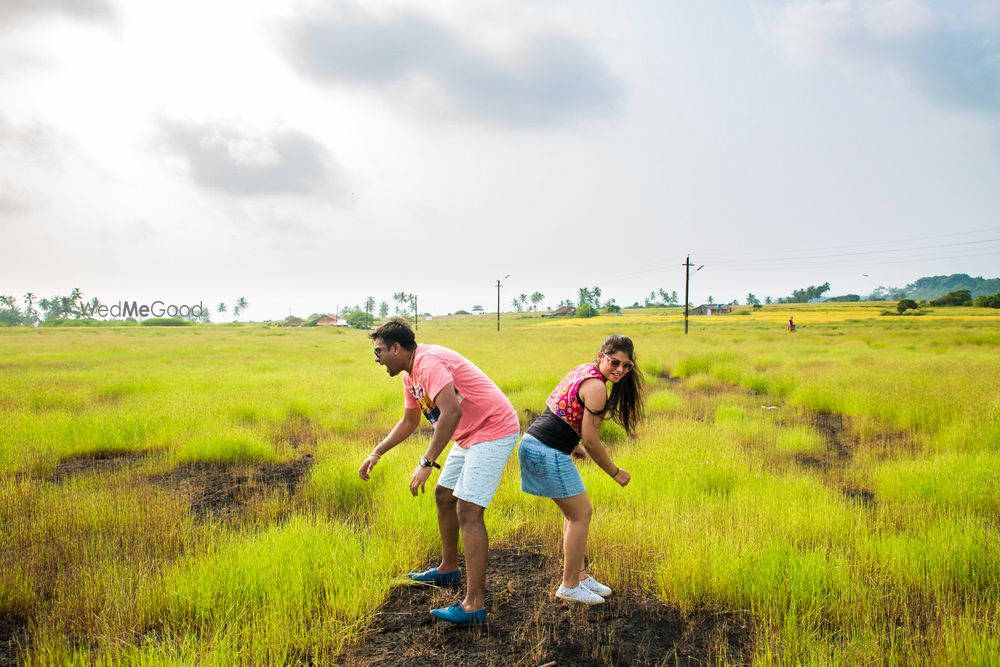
564,401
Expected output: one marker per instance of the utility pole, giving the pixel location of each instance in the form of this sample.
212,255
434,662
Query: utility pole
498,300
416,320
687,283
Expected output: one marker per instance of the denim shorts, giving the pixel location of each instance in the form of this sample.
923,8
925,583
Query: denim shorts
547,472
474,474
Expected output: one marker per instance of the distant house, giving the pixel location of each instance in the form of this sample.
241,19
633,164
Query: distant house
561,312
711,309
293,321
331,321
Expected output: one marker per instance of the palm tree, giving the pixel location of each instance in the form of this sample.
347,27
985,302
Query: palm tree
673,298
596,293
517,305
664,297
536,298
710,300
383,309
30,314
240,305
75,298
401,299
221,308
584,295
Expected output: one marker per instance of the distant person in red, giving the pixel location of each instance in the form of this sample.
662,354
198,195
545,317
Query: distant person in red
574,411
462,403
791,325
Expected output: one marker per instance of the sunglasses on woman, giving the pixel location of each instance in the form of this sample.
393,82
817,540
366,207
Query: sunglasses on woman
615,363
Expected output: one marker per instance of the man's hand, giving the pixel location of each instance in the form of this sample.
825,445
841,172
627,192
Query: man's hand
419,479
367,465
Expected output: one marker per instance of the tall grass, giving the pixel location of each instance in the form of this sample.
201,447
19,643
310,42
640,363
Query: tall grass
881,549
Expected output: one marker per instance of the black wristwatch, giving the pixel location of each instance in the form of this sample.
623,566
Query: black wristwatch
428,464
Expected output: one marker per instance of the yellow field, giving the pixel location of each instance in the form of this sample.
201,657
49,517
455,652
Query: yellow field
172,496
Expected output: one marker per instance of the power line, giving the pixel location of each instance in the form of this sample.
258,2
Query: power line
852,254
907,260
751,262
873,243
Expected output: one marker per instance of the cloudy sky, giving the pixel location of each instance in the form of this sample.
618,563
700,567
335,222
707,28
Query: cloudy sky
307,155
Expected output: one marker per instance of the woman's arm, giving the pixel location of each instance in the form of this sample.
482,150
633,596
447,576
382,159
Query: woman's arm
594,397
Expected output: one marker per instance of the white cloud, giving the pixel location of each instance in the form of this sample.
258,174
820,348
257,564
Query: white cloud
895,18
541,80
242,163
807,30
12,11
951,55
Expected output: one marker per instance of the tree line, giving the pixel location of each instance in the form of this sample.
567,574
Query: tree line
74,308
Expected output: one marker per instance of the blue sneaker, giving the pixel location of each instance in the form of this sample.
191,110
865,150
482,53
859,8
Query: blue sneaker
432,576
455,614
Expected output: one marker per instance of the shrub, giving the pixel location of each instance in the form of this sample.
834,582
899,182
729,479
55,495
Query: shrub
960,297
166,322
906,304
586,310
988,301
66,322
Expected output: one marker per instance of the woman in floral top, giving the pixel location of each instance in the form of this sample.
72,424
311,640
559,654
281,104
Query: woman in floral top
573,412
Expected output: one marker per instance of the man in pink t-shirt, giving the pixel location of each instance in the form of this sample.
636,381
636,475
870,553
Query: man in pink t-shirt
465,405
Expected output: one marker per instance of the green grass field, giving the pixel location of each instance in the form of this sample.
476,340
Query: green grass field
190,495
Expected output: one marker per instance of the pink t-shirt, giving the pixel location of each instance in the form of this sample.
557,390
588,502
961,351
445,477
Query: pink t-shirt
486,413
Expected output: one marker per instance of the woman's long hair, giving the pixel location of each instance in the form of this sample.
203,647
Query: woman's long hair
626,404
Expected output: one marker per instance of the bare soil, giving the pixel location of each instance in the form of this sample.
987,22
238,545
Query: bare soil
96,462
528,626
13,637
222,488
297,432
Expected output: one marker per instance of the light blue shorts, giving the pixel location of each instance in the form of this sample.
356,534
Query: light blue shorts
547,472
474,474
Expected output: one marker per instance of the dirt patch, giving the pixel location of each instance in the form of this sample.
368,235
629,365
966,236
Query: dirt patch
218,488
812,461
832,426
96,462
859,495
296,431
528,626
667,377
13,639
840,451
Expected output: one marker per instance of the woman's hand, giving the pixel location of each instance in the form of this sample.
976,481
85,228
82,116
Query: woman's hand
579,453
623,477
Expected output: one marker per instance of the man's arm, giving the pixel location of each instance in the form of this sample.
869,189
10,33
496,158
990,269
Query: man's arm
403,429
450,414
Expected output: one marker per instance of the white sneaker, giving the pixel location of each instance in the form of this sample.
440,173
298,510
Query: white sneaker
594,586
579,594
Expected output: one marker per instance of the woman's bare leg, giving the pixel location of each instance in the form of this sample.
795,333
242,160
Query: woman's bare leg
577,511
